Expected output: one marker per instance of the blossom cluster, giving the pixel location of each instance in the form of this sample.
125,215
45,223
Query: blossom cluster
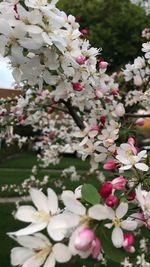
73,105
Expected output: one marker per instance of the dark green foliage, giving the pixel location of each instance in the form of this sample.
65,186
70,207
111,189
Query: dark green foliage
113,25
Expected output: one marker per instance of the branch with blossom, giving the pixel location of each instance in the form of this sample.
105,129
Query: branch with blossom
71,102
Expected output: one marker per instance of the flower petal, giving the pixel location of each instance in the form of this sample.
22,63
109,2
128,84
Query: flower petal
39,200
25,214
34,262
121,210
50,262
129,225
19,255
60,224
30,229
142,166
98,212
61,253
117,237
31,242
52,200
73,204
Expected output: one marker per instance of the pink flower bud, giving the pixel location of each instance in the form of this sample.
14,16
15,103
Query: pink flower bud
114,91
128,239
84,239
50,110
103,64
84,33
95,128
148,224
119,110
110,165
139,122
131,141
119,183
98,93
111,201
81,59
105,189
102,119
131,196
77,86
96,247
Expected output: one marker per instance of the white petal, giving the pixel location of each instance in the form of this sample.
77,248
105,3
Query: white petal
121,210
108,225
19,255
59,225
61,253
52,201
142,166
98,212
129,225
73,204
117,237
32,228
127,167
39,200
31,242
50,262
34,262
25,213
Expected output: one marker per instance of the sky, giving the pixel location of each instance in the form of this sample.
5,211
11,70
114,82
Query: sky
6,79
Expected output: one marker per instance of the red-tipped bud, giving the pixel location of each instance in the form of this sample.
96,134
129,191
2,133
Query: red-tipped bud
131,141
148,224
102,119
128,239
77,86
105,189
84,239
50,110
95,128
103,64
139,122
111,201
114,91
110,165
131,196
81,59
119,183
84,33
96,247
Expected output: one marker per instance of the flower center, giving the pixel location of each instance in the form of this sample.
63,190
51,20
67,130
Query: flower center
42,252
85,219
42,216
116,222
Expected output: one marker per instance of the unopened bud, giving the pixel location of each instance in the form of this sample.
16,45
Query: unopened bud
131,141
139,122
77,86
102,119
105,189
103,64
110,165
84,239
119,110
96,248
119,183
81,59
111,201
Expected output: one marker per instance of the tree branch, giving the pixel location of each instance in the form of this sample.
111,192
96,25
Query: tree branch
137,115
77,119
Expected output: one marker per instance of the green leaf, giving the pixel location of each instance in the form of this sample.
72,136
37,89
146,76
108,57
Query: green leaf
115,254
148,159
90,194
